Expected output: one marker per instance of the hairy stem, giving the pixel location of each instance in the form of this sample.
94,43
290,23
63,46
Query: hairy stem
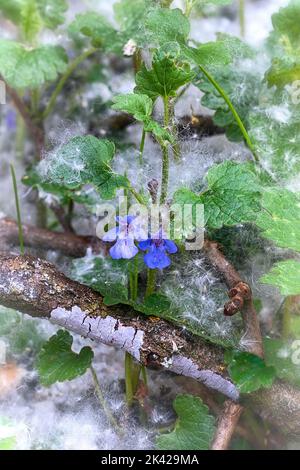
233,110
188,7
175,146
72,66
137,196
165,156
142,145
20,228
151,281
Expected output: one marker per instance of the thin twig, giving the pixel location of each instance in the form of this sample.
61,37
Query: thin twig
241,297
35,131
227,423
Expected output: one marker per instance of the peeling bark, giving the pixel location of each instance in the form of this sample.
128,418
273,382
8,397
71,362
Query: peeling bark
36,287
75,245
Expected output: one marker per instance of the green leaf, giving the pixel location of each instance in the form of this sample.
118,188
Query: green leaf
155,305
107,276
194,428
280,218
129,14
84,160
286,276
57,362
164,78
286,23
280,222
242,89
98,28
31,20
274,130
11,9
249,372
51,12
165,25
140,106
283,72
30,68
89,198
216,53
232,197
280,355
159,132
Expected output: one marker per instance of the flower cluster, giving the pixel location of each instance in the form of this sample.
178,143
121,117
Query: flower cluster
128,232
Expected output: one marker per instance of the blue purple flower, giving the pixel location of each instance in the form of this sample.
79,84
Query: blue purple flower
157,252
125,234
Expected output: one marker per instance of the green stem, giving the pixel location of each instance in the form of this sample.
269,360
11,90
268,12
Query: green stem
135,277
242,17
137,196
128,379
144,375
35,101
151,282
142,145
175,146
188,7
165,156
20,136
20,229
137,60
72,66
164,174
111,419
232,109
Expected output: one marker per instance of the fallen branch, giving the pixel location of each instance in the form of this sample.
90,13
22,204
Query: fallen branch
76,246
36,287
66,243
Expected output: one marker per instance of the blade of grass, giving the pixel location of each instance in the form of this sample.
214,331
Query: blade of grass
21,238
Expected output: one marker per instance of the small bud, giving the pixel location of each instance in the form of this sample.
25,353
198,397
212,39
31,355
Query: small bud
129,48
153,189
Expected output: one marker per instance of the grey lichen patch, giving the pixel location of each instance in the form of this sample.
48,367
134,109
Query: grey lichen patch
106,330
185,366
